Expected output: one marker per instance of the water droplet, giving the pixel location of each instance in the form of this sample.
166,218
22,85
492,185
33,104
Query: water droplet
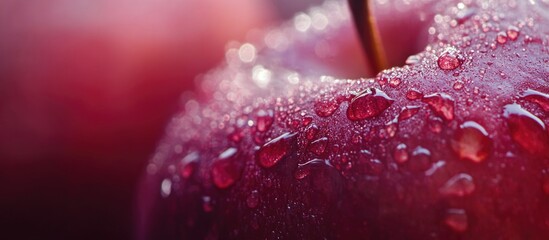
226,169
501,37
273,151
456,219
420,160
264,120
253,199
318,146
166,188
471,142
450,59
459,185
325,107
401,153
435,124
188,165
542,99
391,128
465,14
458,85
513,33
304,170
527,130
368,104
207,204
307,120
394,82
408,112
441,104
310,132
413,94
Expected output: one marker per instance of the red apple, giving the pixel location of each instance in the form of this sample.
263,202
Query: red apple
453,145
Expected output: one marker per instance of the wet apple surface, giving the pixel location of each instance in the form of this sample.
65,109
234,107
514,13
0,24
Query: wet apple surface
453,145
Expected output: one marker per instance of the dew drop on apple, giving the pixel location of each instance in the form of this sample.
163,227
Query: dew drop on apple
273,151
401,153
188,165
166,188
441,104
513,33
527,130
501,37
420,159
252,201
368,104
450,59
456,219
413,94
305,169
394,82
458,85
471,142
459,185
307,120
310,132
435,124
264,119
226,170
539,98
318,146
408,112
325,107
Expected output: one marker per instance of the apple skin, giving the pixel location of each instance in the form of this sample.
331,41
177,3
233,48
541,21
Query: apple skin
466,170
85,90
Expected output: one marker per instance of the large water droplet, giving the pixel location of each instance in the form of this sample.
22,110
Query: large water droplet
408,112
265,119
318,146
226,169
527,130
459,185
310,132
325,107
273,151
441,104
456,219
450,59
420,160
542,99
166,188
188,165
368,104
471,142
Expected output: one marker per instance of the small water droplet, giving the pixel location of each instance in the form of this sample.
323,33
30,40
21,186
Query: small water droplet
310,132
391,128
471,142
459,185
394,82
420,160
304,170
501,37
513,33
542,99
253,199
465,14
226,169
188,165
408,112
401,153
326,106
441,104
527,130
456,219
458,85
264,120
450,59
273,151
318,146
413,94
307,120
166,188
368,104
207,204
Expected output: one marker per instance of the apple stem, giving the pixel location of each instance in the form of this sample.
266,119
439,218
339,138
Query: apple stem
365,23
